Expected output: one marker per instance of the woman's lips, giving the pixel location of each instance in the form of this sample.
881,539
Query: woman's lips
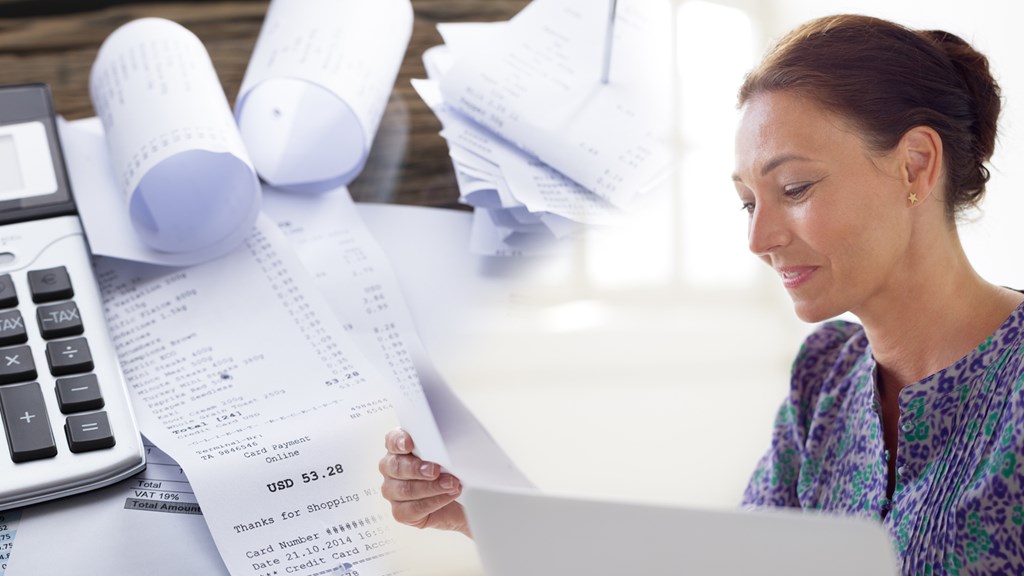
794,276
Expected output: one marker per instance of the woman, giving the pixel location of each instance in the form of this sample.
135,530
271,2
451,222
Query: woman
860,143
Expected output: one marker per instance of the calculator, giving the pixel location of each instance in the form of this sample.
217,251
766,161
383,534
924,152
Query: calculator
67,421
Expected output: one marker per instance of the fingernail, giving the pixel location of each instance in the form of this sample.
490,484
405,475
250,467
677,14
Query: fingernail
447,483
401,443
427,470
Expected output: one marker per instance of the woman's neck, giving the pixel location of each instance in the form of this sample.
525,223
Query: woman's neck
933,314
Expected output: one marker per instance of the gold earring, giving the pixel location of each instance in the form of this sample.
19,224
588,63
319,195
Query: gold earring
912,198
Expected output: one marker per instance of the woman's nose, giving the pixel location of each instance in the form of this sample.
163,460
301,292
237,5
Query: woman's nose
767,231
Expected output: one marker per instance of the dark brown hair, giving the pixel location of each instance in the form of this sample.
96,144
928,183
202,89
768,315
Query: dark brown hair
886,79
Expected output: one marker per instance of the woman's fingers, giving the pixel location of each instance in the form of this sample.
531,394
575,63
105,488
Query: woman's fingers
419,493
430,512
407,467
398,441
408,490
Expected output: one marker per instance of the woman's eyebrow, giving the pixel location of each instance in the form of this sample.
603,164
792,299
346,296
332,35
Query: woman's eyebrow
775,163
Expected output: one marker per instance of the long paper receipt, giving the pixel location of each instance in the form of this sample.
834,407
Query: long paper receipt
240,372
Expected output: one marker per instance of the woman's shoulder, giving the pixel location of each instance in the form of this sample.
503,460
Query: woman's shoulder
829,343
834,360
832,333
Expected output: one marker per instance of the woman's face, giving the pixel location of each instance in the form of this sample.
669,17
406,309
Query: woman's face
825,213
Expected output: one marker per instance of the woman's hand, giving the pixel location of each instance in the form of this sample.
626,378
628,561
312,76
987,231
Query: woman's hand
420,494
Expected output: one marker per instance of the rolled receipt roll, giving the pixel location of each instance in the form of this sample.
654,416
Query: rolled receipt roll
175,149
317,84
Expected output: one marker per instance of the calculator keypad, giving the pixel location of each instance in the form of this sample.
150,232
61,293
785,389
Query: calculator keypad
64,367
22,404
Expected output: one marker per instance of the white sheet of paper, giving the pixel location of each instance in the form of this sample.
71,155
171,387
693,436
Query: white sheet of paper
175,151
316,87
351,268
139,526
536,83
240,371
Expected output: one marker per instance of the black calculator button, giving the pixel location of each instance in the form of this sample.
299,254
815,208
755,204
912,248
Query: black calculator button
26,424
79,393
68,356
16,364
12,328
57,320
8,295
50,284
87,432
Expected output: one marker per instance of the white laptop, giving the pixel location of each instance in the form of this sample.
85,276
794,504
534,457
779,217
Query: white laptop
521,532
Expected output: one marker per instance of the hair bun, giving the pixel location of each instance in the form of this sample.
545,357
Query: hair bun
973,67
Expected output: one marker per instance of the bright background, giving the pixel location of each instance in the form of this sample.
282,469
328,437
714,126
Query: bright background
649,363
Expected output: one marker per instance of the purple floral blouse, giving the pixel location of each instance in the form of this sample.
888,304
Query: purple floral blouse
958,504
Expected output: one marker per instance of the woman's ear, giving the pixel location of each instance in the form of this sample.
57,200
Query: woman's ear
920,151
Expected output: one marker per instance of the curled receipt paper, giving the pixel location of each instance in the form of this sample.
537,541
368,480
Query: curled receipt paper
316,87
175,150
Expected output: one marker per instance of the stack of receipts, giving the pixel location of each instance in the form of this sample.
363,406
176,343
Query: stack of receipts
541,147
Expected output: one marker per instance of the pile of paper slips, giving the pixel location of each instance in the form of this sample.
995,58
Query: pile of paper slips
541,148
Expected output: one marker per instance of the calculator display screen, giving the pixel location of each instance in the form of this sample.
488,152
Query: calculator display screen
33,181
25,149
10,171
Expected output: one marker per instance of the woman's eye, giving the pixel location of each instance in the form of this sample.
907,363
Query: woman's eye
748,207
797,191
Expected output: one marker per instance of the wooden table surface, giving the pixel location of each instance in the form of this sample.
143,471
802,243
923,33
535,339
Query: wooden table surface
55,41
